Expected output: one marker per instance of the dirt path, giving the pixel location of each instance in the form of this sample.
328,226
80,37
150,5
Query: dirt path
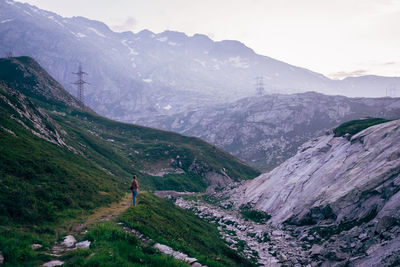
105,213
100,214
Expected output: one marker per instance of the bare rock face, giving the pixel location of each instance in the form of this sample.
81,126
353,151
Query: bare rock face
333,179
340,196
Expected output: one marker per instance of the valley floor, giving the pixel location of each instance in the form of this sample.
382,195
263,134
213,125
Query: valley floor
263,243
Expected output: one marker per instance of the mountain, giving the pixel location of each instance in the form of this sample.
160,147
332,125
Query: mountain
67,156
264,131
142,75
339,194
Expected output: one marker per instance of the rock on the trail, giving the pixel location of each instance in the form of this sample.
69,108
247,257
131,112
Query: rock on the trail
83,244
36,246
1,257
53,263
69,241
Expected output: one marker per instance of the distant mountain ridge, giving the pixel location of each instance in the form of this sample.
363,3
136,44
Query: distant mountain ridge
267,130
143,75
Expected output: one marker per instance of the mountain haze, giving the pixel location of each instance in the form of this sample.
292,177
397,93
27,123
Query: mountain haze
140,75
266,130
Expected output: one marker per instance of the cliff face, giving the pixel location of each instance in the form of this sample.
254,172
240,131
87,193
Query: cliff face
339,196
334,179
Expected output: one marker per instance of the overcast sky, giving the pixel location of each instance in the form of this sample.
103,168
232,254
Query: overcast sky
336,38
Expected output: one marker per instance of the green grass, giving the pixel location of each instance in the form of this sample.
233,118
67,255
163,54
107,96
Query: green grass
15,245
255,215
40,180
111,246
356,126
180,229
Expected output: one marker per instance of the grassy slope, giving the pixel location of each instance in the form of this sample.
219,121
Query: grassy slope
43,185
165,223
111,246
356,126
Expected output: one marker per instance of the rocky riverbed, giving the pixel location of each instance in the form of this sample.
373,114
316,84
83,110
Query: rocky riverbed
263,243
373,243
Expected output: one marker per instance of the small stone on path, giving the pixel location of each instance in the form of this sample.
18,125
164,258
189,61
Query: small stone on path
69,241
83,244
36,246
53,263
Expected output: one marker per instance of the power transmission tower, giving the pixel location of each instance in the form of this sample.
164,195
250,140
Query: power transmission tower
391,91
9,54
80,82
259,86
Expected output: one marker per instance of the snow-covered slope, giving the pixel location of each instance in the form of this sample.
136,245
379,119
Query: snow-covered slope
134,75
334,179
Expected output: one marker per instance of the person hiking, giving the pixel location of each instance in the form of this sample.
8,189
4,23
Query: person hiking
134,188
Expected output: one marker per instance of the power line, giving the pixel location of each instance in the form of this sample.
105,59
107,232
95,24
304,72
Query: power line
260,86
391,90
80,82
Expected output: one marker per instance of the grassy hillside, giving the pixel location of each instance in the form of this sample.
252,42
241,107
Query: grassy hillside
89,159
59,159
165,223
355,126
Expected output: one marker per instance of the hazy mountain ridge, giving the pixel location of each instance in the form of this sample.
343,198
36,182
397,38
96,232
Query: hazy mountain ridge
265,131
142,75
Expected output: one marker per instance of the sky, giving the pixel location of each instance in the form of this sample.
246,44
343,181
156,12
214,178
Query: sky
337,38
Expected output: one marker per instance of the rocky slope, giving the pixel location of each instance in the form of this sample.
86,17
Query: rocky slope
339,195
265,131
136,75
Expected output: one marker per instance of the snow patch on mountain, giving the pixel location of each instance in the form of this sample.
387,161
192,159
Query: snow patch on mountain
97,32
238,62
174,44
80,35
162,39
6,20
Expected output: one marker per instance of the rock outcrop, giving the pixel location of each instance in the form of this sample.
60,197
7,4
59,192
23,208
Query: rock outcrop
339,195
333,179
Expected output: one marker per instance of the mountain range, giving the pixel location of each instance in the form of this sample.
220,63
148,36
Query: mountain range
140,75
265,131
